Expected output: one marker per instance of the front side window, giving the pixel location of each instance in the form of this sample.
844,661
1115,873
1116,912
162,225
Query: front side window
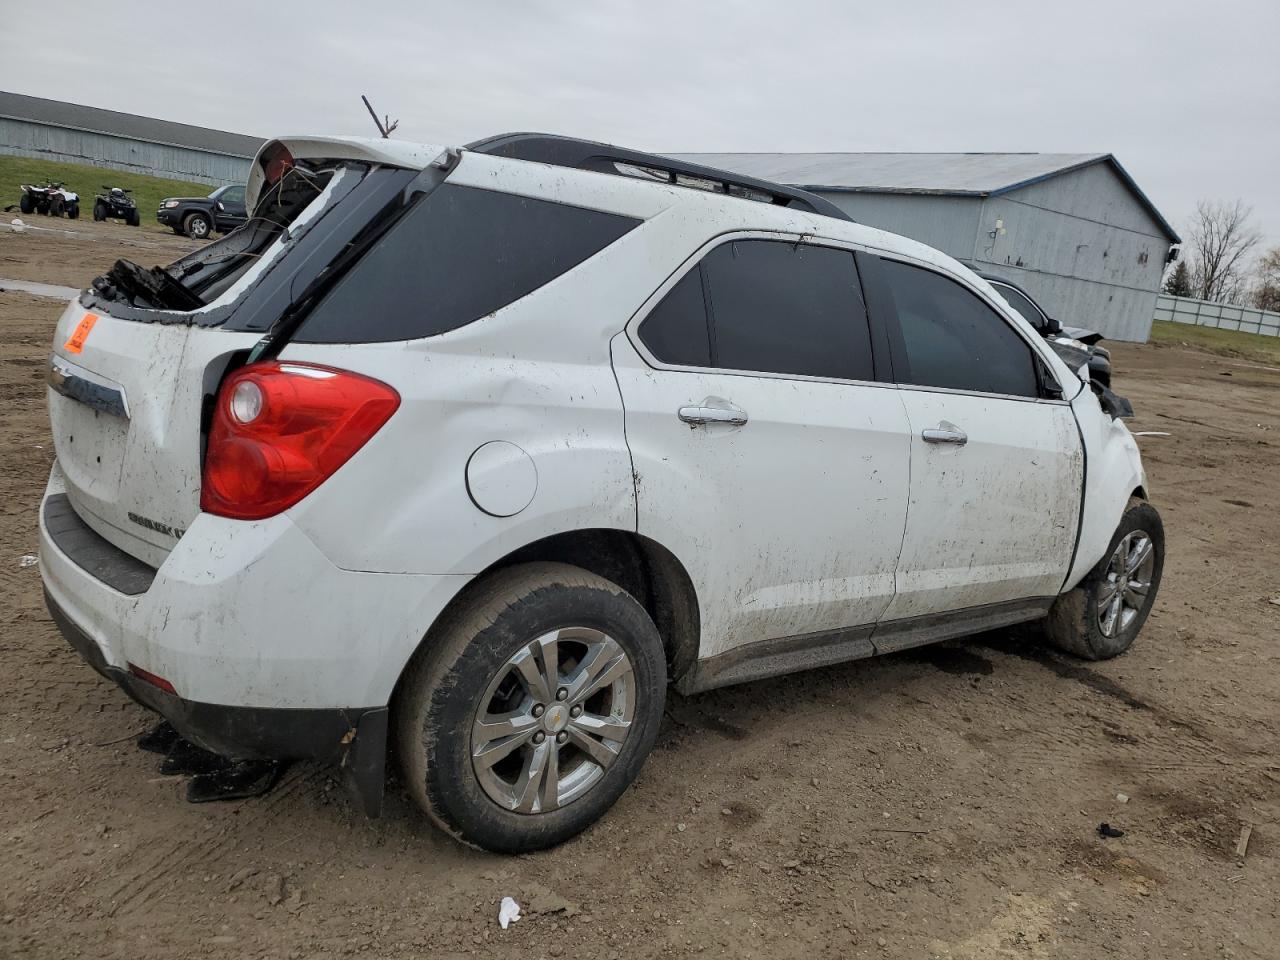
232,195
953,339
775,307
459,254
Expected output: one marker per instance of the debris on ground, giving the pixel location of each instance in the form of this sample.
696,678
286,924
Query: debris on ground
1107,831
212,777
27,560
159,739
239,780
508,912
1242,845
1122,798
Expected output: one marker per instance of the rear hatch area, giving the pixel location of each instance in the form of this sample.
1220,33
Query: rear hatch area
131,464
137,360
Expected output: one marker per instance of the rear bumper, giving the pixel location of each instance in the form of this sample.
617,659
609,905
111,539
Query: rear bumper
273,652
355,739
239,732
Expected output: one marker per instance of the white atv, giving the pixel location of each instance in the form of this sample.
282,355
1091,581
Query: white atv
53,199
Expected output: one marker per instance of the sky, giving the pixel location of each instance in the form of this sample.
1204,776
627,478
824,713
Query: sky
1186,95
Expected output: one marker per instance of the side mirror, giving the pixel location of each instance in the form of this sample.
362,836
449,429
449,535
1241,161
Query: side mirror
1052,327
220,206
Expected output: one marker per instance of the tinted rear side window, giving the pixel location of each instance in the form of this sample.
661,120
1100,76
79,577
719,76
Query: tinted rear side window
460,254
676,329
953,339
784,307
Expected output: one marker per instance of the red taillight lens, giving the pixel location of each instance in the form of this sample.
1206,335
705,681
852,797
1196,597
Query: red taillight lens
281,429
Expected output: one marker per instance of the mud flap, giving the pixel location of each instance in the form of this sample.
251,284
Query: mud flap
365,760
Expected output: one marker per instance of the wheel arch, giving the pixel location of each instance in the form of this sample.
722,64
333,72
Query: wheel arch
643,567
1113,476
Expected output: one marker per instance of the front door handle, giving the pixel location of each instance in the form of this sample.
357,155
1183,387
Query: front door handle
696,416
945,433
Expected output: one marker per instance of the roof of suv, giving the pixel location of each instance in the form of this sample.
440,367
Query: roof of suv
605,158
776,207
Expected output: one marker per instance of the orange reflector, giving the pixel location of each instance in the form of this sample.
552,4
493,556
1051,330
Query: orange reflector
75,342
152,679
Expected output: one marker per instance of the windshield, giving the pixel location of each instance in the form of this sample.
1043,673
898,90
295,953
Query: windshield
1022,304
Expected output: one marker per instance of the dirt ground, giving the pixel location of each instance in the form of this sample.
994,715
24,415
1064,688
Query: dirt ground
938,803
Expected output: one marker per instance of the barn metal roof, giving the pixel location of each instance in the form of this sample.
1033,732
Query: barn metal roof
938,174
74,116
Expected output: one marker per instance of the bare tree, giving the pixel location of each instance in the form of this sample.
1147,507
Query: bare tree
1221,238
1266,292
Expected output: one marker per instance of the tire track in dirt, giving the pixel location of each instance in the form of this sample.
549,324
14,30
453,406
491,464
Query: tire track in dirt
271,811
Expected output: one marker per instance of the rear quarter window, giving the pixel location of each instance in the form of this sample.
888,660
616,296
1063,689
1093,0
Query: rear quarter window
458,255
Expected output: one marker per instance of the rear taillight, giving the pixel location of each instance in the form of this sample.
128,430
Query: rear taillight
281,429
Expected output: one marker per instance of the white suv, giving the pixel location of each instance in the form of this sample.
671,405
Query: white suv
467,454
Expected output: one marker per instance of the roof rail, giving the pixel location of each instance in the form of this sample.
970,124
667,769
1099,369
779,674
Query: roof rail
604,158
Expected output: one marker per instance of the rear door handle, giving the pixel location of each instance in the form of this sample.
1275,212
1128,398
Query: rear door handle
945,433
695,416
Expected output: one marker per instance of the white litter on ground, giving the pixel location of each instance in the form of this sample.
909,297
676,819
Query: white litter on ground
508,912
1152,433
17,225
28,560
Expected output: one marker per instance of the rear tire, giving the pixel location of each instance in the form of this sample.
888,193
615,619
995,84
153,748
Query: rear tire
99,211
1101,617
197,226
56,207
480,688
26,204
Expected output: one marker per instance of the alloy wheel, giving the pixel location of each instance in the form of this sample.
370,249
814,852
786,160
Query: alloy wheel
1126,587
553,720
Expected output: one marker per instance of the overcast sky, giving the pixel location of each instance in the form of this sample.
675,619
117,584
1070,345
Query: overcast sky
1186,95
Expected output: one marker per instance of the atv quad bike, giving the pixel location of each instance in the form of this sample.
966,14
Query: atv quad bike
115,203
53,199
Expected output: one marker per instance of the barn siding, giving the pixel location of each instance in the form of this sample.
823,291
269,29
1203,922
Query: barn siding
21,138
1084,246
947,223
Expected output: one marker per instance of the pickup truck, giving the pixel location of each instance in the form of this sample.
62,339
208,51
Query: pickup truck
198,217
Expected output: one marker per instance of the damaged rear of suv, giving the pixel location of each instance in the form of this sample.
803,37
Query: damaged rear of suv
466,454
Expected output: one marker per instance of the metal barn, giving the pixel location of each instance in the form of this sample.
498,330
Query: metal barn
54,130
1074,229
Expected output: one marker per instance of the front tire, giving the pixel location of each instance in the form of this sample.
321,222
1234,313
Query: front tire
26,204
133,219
1101,617
73,211
99,211
531,707
196,226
